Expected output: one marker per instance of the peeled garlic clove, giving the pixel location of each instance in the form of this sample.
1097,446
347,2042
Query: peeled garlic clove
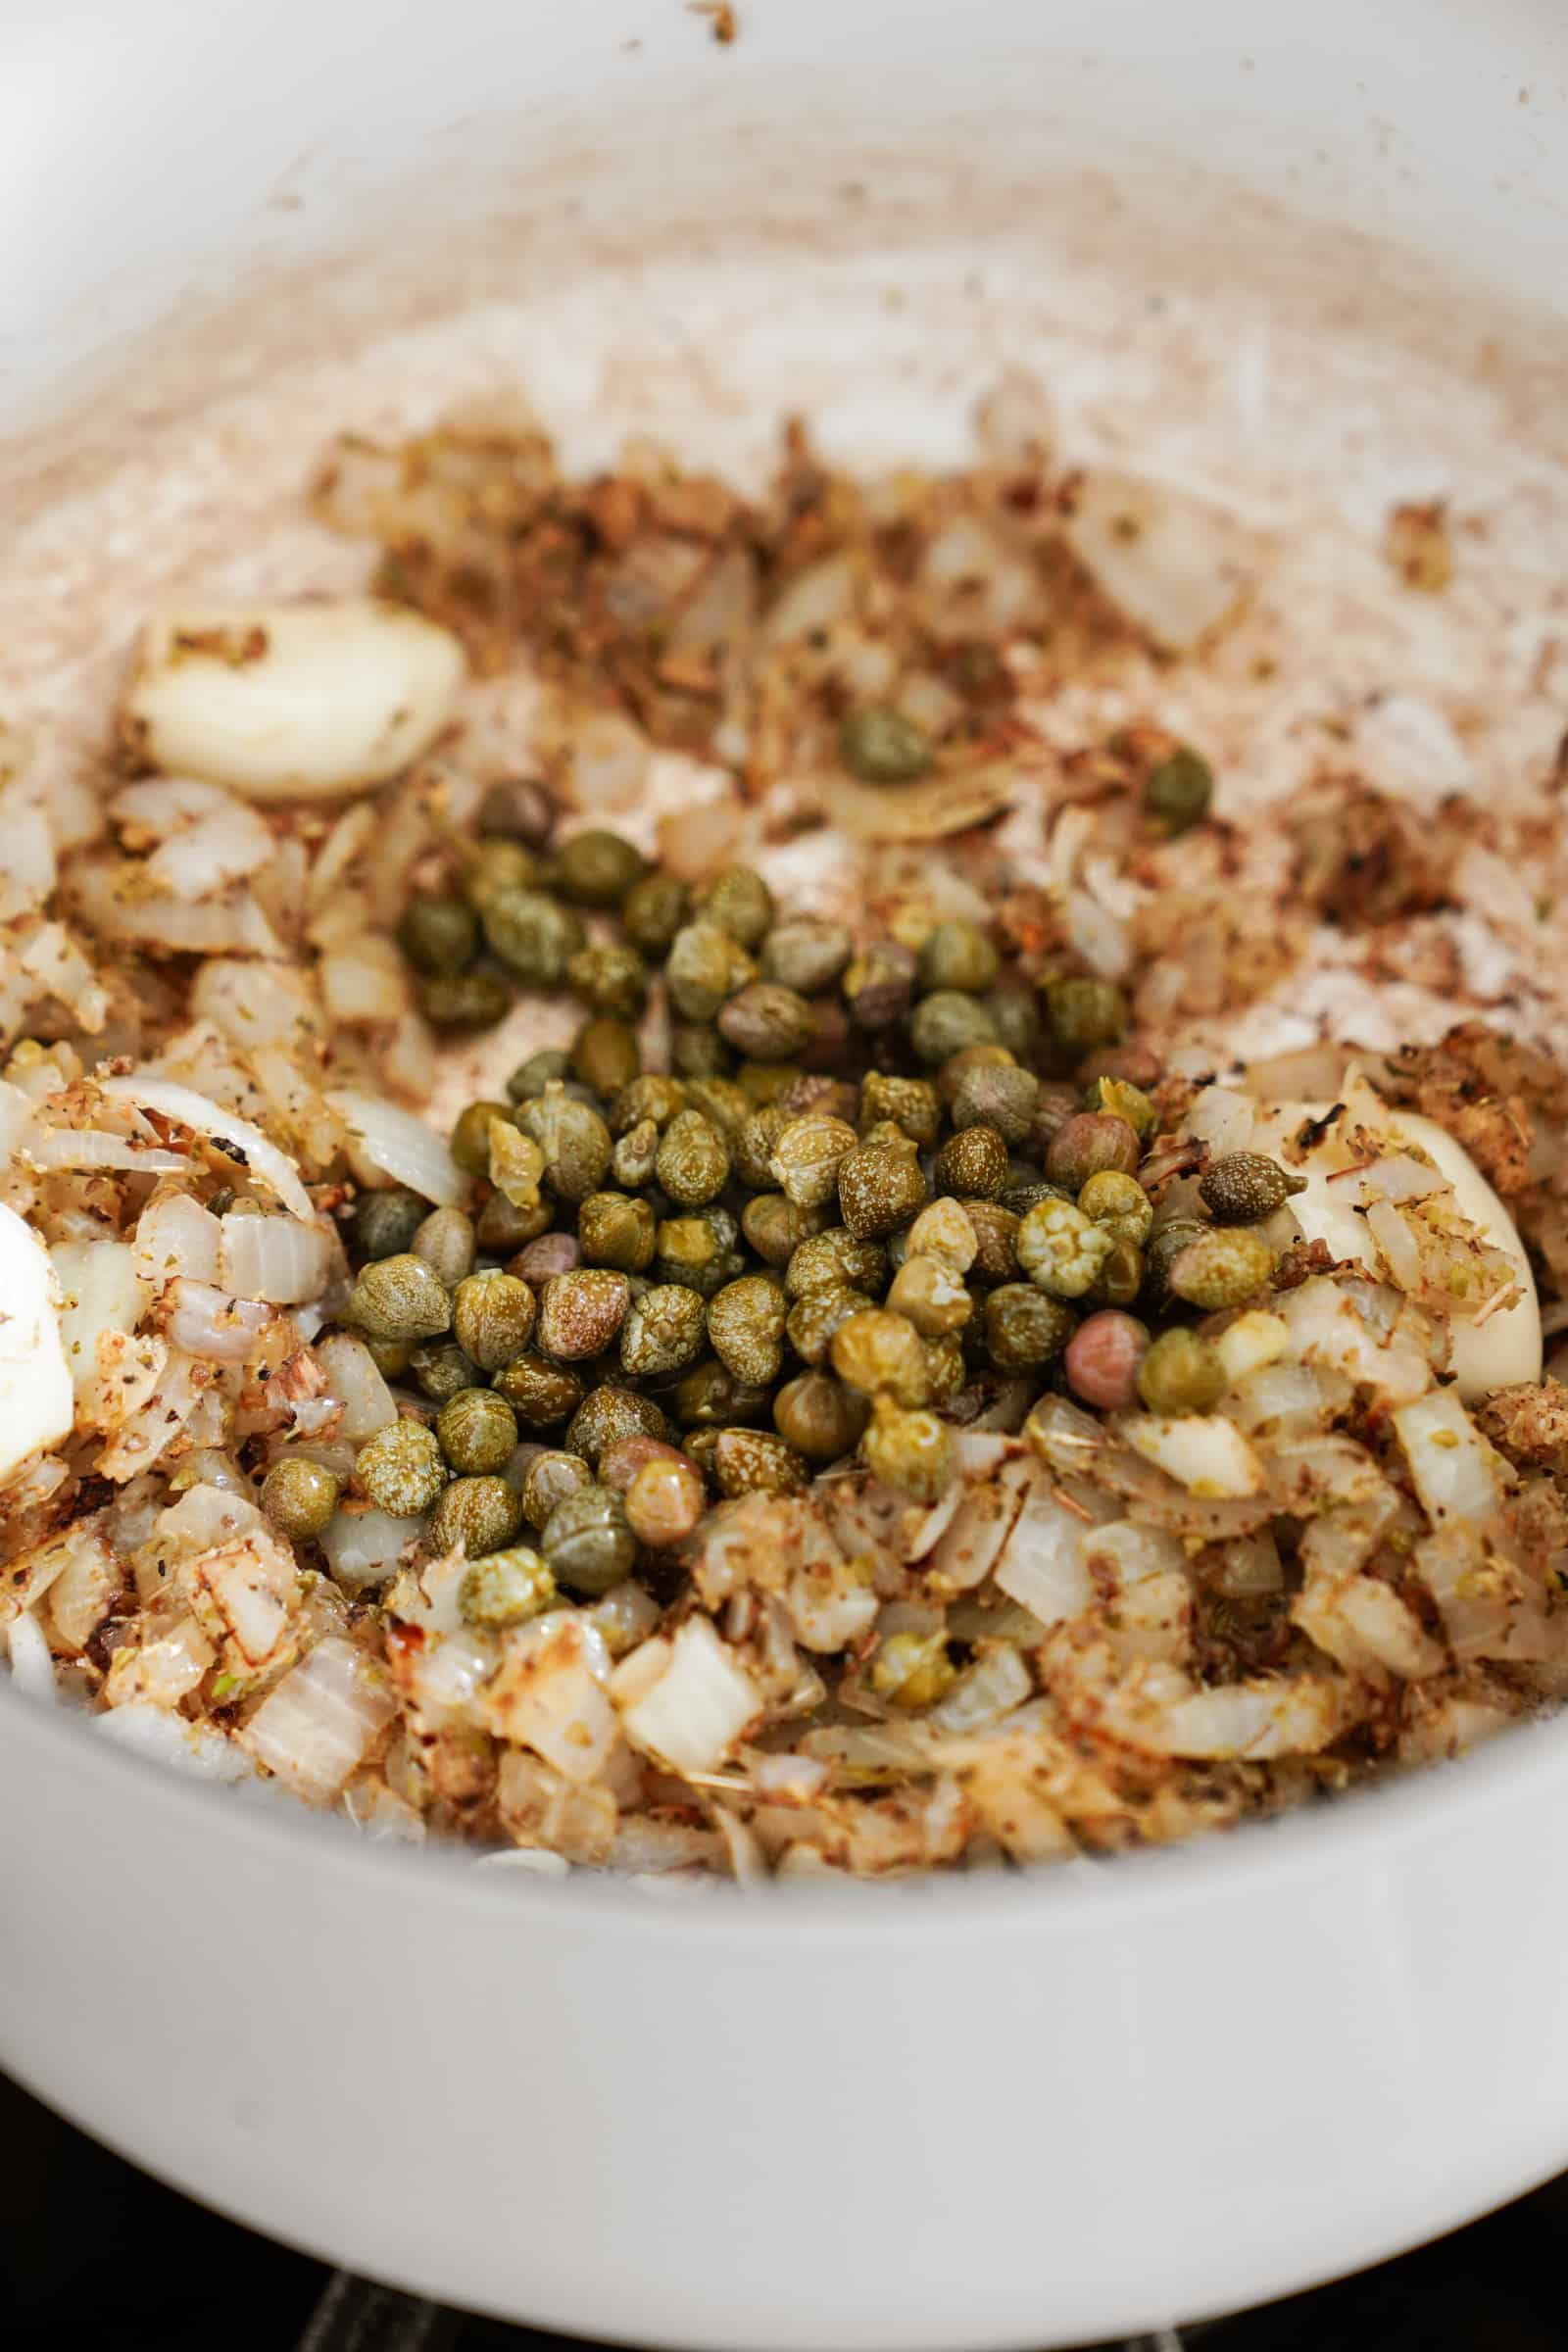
1505,1348
291,702
1173,564
37,1402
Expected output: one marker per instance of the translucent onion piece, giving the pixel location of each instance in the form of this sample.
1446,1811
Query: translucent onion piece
401,1147
276,1258
313,1729
187,1109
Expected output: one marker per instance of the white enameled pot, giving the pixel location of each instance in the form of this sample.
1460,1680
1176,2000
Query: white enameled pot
980,2111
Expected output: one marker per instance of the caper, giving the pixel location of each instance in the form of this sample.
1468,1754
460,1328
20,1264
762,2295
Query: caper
947,1231
820,1416
764,1082
616,1229
609,1413
835,1258
752,1146
1181,1373
475,1000
1121,1277
776,1227
663,1501
911,1451
481,1514
548,1479
541,1394
912,1670
710,1396
1061,1248
477,1431
1243,1187
945,1022
697,1050
705,967
300,1497
1165,1243
945,1369
881,746
502,1228
723,1104
635,1157
880,1185
1089,1144
746,1328
663,1330
912,1103
971,1164
386,1222
400,1299
808,1154
442,1370
493,1318
996,1233
1000,1095
1015,1018
878,986
447,1243
1024,1327
1085,1014
391,1358
650,1097
755,1462
438,934
958,954
740,902
531,1077
587,1543
471,1134
1178,791
812,1320
693,1163
932,1294
580,1313
1224,1266
767,1022
699,1251
1120,1203
876,1351
806,953
609,979
506,1588
596,868
1126,1101
653,910
400,1468
518,809
547,1254
575,1141
493,867
535,937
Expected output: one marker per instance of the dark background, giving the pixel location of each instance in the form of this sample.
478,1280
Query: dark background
88,2245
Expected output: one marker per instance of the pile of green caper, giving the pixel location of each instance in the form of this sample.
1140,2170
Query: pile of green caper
872,1177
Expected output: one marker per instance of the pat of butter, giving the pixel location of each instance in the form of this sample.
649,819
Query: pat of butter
1494,1354
36,1400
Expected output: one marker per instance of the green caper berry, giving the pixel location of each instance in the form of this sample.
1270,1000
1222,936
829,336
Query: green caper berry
471,1136
1023,1196
912,1452
506,1588
477,1431
587,1543
764,1082
606,1055
960,1066
705,966
877,1350
1000,1095
820,1416
1121,1277
386,1222
541,1394
464,1000
1085,1014
776,1226
1015,1018
300,1497
535,937
580,1312
447,1243
879,1186
609,1413
1243,1187
400,1468
1061,1250
945,1022
482,1514
740,902
663,1330
400,1299
958,954
1222,1268
709,1397
878,986
611,979
932,1293
493,1316
596,868
653,910
503,1227
881,746
753,1461
752,1143
1126,1101
1181,1373
697,1050
1024,1328
635,1157
531,1077
442,1370
996,1233
391,1358
699,1251
810,1152
835,1259
972,1162
1120,1203
616,1229
548,1480
518,809
813,1320
912,1103
575,1141
723,1104
746,1328
438,935
1164,1243
1089,1143
494,867
1178,792
650,1097
945,1370
767,1022
806,953
693,1163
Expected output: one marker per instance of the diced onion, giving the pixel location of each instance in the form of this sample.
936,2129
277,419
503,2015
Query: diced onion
187,1109
314,1728
364,1547
276,1258
699,1706
32,1669
353,1377
402,1146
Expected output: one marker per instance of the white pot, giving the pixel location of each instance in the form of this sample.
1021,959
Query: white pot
979,2112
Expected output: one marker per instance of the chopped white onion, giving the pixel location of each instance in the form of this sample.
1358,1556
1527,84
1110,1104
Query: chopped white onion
401,1146
32,1669
313,1729
1454,1467
1175,566
89,1147
276,1258
699,1706
205,1321
1205,1451
101,1292
186,1108
364,1547
353,1377
1041,1565
175,1235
